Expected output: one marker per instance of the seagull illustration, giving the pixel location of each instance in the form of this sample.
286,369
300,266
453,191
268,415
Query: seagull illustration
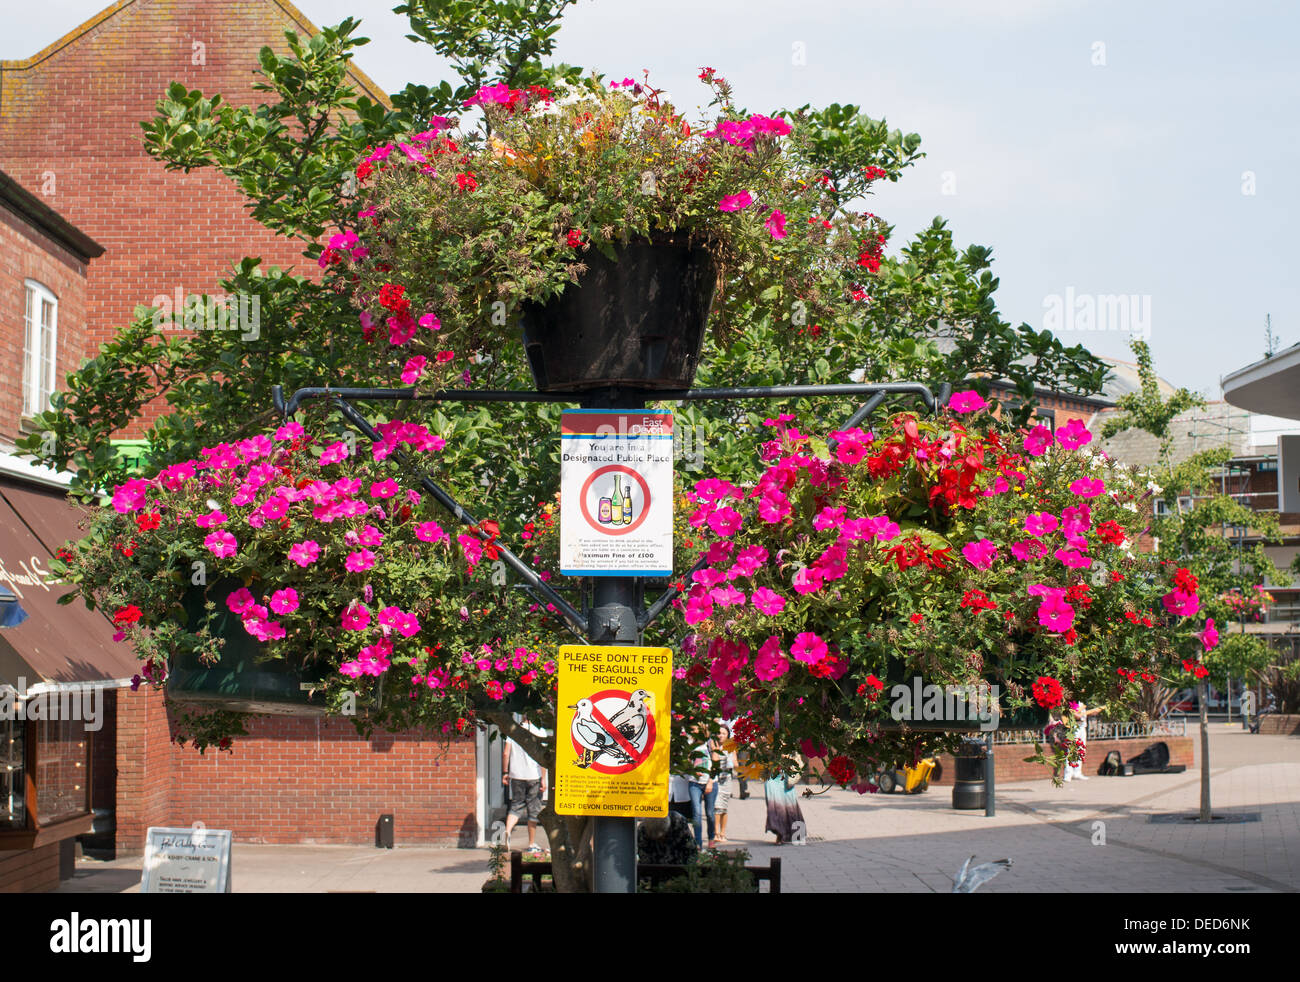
969,880
593,738
631,719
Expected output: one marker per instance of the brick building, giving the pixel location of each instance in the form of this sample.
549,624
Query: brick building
70,142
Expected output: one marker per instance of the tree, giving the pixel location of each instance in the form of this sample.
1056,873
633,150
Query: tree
932,316
1198,537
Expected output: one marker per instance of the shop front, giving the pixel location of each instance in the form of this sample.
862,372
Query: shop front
58,668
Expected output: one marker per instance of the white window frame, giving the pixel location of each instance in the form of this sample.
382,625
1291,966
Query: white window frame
40,352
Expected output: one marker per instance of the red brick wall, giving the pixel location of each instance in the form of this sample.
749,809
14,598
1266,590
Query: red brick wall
69,131
1010,766
26,253
293,780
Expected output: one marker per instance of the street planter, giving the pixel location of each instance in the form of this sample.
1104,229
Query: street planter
636,323
245,679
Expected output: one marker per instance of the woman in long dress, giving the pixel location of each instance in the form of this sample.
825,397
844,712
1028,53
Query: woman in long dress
783,806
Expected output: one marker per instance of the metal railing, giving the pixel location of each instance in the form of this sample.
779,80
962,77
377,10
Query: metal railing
1131,730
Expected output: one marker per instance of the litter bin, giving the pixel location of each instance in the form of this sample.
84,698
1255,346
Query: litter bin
968,782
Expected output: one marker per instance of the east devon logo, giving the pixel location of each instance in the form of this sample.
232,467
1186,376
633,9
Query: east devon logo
613,730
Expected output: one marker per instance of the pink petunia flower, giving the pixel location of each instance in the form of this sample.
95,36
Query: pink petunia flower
748,562
284,601
432,532
384,489
1073,435
334,453
1038,440
413,369
969,401
1027,550
304,553
828,518
356,617
222,544
773,507
725,521
735,202
809,648
1072,559
1181,602
980,553
728,596
767,601
1086,487
808,580
775,225
240,600
1044,523
770,663
1055,614
359,561
1209,636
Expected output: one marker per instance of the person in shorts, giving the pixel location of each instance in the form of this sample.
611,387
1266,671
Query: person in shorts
526,781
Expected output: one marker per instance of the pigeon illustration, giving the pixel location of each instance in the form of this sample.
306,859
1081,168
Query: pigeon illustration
630,721
593,738
969,880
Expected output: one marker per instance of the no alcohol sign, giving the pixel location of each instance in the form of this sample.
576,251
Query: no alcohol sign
616,493
612,729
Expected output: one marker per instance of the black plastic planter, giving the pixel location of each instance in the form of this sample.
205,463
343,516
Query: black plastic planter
637,322
245,680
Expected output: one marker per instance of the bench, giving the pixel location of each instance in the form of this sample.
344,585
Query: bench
655,873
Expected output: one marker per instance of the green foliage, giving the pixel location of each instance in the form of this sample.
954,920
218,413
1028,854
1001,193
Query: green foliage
1147,409
489,40
291,155
710,872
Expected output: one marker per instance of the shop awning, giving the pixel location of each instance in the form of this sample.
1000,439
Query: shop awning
56,644
1270,386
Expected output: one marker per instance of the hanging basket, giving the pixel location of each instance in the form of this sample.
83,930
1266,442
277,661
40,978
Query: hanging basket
245,679
636,323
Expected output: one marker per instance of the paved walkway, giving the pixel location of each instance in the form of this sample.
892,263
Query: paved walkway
1086,837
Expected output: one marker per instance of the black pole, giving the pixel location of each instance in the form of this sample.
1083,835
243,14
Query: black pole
990,769
615,620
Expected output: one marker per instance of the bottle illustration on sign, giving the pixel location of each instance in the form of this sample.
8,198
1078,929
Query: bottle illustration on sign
616,506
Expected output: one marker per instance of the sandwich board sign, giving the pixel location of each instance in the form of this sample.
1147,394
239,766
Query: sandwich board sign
192,860
613,722
616,492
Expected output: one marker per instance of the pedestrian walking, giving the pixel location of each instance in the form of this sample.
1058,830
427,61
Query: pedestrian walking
1080,711
525,780
783,812
725,761
703,789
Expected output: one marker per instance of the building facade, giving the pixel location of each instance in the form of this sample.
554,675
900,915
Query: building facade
70,142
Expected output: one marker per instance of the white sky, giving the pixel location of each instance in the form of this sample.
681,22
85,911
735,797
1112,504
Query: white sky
1115,178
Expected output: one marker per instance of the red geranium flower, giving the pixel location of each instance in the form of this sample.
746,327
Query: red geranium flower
148,521
127,615
1047,692
841,769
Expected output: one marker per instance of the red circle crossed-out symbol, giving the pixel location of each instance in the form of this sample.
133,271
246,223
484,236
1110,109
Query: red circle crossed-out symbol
611,469
621,697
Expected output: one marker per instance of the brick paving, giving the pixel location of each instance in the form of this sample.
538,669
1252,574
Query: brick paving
916,843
